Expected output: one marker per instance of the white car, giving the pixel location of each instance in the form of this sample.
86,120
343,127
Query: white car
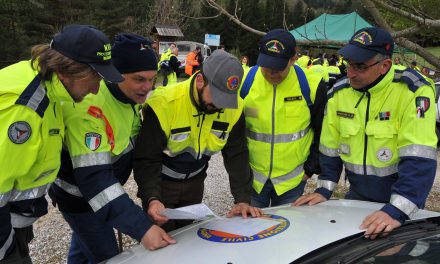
325,233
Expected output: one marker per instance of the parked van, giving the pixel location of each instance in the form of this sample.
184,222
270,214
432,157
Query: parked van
185,47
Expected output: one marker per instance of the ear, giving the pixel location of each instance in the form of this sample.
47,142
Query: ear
199,81
61,76
386,65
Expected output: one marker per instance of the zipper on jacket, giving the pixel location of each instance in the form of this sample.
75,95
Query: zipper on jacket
200,133
367,114
273,131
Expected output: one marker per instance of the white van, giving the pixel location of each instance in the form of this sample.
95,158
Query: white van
185,47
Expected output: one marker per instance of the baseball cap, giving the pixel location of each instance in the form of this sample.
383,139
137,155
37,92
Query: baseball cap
133,53
277,47
224,74
86,44
366,43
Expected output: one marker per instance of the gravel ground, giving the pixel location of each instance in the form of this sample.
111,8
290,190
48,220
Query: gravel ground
52,234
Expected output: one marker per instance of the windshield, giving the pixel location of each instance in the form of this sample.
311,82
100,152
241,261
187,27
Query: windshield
424,250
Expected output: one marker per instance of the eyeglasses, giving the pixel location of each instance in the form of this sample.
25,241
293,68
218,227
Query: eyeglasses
361,67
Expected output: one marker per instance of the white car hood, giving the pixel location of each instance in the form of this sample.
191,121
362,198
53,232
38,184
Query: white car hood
310,227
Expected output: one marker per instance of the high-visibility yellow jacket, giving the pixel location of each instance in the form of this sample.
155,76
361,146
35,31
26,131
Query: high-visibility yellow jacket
279,131
31,141
385,137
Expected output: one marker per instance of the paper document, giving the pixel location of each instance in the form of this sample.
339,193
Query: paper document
196,211
240,226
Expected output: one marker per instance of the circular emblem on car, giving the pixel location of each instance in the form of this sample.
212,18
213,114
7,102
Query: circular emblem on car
233,82
384,154
222,237
19,132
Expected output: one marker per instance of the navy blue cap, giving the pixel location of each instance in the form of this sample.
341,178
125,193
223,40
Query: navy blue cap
277,47
366,43
133,53
86,44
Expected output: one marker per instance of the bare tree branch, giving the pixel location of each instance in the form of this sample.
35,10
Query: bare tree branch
213,4
406,32
198,18
419,20
429,57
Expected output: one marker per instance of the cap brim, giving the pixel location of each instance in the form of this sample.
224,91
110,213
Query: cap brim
271,62
108,72
356,54
222,99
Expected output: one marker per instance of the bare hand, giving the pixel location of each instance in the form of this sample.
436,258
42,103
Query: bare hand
156,238
244,209
309,199
378,222
154,209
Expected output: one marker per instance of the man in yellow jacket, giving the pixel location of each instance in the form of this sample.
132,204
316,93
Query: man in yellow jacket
379,125
184,125
33,129
283,107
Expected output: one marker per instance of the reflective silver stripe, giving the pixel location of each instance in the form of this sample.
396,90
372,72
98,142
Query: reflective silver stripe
91,159
329,185
177,175
179,137
7,244
223,135
293,174
17,195
106,196
261,178
189,150
129,148
37,97
404,205
414,78
279,138
418,151
328,151
371,170
21,221
68,188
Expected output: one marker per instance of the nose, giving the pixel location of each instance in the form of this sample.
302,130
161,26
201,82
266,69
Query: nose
350,72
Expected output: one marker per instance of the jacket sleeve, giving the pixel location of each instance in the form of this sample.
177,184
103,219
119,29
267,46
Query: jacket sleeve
417,152
311,165
147,163
330,162
93,173
236,159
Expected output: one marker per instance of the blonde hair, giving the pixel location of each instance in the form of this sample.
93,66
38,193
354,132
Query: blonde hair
48,61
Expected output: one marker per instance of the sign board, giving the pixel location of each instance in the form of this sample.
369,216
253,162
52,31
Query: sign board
212,40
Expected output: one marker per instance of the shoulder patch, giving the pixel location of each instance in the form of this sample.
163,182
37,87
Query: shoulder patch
19,132
343,83
93,140
411,77
34,96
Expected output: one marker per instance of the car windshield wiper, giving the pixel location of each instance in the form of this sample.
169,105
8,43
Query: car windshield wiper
350,249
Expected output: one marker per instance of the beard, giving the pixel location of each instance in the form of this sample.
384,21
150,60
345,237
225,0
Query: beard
205,107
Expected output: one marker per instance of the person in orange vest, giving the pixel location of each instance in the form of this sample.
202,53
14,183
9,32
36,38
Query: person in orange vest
191,61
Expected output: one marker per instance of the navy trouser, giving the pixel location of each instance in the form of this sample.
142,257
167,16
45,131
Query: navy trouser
92,241
268,197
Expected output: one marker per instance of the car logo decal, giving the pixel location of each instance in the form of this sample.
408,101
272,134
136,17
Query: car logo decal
222,237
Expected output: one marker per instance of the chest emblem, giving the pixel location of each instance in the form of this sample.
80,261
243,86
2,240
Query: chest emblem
19,132
384,116
93,140
384,154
